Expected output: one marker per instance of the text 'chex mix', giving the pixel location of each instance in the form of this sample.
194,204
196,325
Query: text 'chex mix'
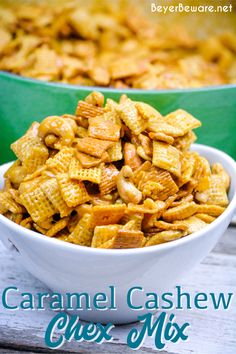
114,175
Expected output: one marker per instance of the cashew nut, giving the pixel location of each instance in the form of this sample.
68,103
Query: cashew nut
72,124
63,128
127,191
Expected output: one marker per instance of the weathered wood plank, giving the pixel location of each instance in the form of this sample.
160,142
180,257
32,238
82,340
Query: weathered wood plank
211,331
227,244
12,351
84,348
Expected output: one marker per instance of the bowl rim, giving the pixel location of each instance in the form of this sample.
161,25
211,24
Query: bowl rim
124,252
115,90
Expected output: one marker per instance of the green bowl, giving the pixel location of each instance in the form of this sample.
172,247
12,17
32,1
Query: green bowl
24,100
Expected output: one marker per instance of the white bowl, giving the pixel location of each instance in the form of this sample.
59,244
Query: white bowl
65,267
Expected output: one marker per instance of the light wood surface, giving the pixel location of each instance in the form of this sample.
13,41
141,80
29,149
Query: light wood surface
211,332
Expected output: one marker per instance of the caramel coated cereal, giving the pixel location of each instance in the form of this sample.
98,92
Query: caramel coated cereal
120,177
115,44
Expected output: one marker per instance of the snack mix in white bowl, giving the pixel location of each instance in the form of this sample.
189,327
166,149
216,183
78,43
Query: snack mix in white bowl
111,181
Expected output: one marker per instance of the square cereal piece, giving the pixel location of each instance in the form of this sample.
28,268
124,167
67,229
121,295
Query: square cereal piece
164,236
108,179
152,190
38,205
108,214
148,112
17,218
166,181
180,212
30,151
217,192
130,116
162,137
93,147
115,152
28,185
192,223
111,114
108,244
15,195
39,229
88,161
128,239
188,164
73,192
187,198
103,129
161,127
100,75
163,225
184,142
202,175
81,132
52,191
76,171
182,120
166,157
219,170
135,218
124,67
57,227
83,232
141,170
22,146
27,223
3,206
7,203
148,207
37,157
103,234
205,217
61,161
213,210
88,110
7,185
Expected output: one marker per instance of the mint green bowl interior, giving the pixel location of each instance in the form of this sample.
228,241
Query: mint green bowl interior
23,101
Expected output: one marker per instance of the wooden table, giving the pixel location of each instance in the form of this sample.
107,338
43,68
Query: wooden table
211,332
